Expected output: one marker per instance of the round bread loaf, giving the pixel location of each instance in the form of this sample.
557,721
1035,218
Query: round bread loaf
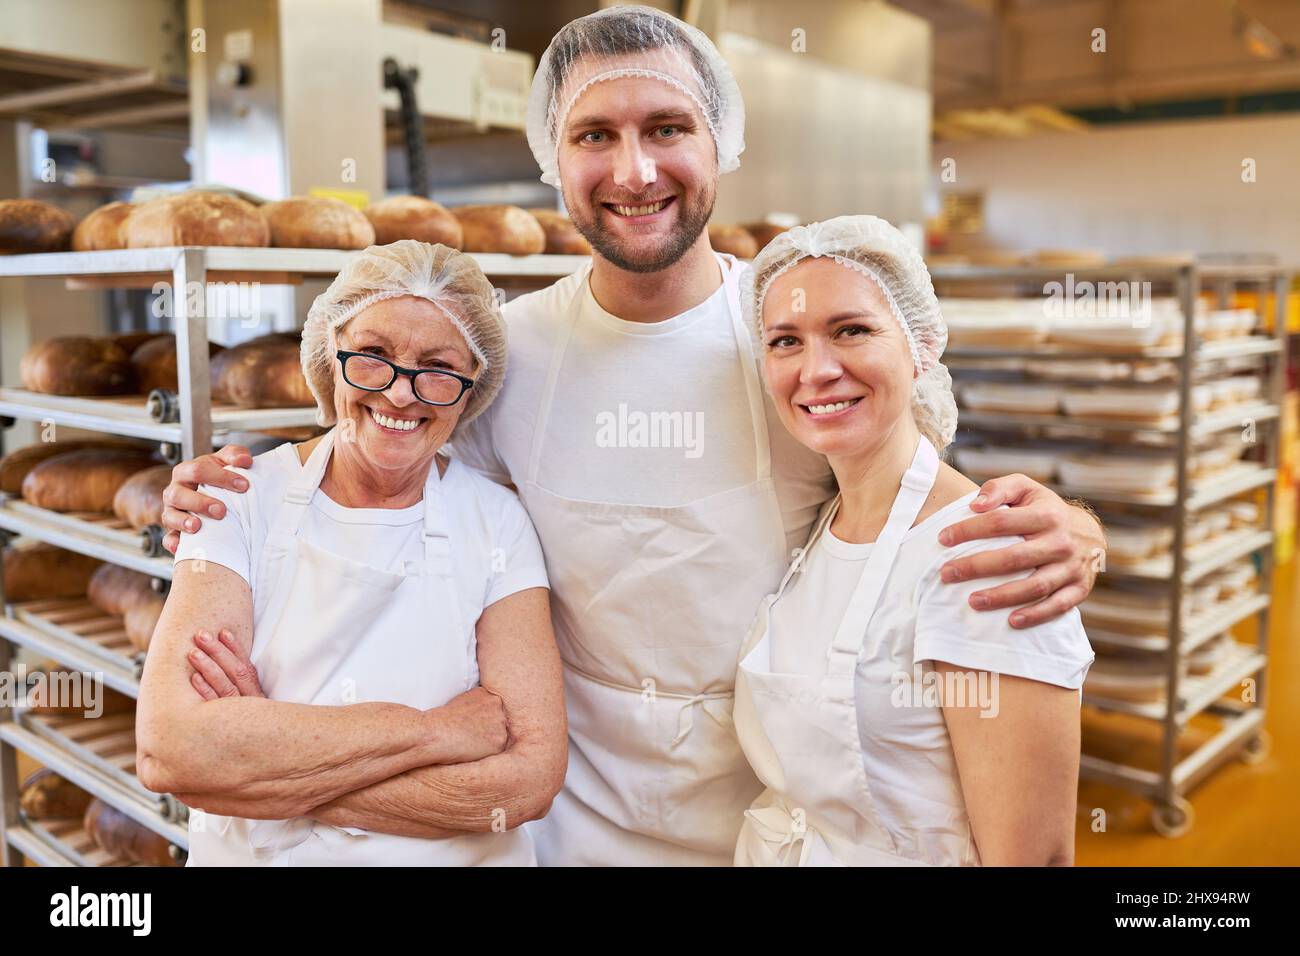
47,796
140,620
36,571
265,372
414,217
119,836
154,363
507,229
130,341
317,222
102,228
115,589
139,502
76,694
15,465
732,239
29,225
85,480
562,236
77,365
195,219
763,232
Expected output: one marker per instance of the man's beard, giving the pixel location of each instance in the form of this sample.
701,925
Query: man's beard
691,221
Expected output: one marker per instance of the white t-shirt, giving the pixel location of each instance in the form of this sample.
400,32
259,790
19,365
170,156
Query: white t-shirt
494,548
908,756
644,413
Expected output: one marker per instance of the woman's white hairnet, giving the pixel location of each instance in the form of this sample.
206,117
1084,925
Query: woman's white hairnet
449,279
624,41
874,248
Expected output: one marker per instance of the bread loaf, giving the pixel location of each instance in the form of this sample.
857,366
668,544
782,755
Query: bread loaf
29,225
47,796
118,835
155,363
36,571
140,620
85,480
507,229
265,372
139,501
75,693
130,341
77,365
414,217
195,219
562,236
15,465
732,239
763,232
317,222
102,228
115,589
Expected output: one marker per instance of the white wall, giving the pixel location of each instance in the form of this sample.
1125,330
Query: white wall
1142,188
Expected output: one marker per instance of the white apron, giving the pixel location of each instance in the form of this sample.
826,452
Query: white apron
331,631
647,609
800,732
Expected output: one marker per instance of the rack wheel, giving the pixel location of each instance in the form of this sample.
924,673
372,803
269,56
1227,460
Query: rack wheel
151,539
1173,819
164,407
1257,748
7,422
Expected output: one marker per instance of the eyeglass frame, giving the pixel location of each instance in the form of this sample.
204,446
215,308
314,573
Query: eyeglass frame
465,383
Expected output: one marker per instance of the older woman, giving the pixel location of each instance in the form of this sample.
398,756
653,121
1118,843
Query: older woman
891,724
360,668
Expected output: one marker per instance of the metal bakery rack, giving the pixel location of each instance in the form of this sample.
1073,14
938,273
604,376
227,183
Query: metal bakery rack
98,754
1216,698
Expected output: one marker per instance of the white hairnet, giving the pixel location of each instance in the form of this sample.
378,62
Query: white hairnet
449,279
874,248
624,41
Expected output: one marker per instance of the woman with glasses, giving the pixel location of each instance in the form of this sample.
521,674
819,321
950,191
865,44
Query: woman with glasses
360,669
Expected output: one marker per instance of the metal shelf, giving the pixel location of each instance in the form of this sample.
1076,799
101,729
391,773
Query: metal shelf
99,536
1205,492
48,750
1211,351
59,843
288,265
129,415
1223,550
74,632
1195,692
1197,629
1204,425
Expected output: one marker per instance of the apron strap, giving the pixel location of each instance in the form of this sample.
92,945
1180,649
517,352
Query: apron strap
567,320
913,491
436,532
753,387
289,516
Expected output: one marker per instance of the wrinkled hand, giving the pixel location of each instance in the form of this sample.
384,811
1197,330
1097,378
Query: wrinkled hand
473,725
1064,546
182,500
222,668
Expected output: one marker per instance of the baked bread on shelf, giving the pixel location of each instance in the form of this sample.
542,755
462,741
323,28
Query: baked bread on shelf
29,225
45,795
562,236
115,589
37,571
500,228
85,480
139,501
735,240
265,372
195,219
140,620
118,835
78,365
414,217
317,222
155,363
102,228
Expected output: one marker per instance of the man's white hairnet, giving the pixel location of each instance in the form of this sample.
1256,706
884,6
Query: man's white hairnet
624,41
449,279
874,248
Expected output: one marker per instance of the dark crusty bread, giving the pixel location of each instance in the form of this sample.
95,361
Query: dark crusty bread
195,219
36,571
47,796
29,225
499,228
414,217
317,222
265,372
77,365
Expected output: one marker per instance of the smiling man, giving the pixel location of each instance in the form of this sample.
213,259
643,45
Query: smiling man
659,557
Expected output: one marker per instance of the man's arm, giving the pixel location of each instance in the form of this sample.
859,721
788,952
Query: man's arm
519,662
183,503
1064,546
285,758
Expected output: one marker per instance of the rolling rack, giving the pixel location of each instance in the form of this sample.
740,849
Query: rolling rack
98,755
1239,728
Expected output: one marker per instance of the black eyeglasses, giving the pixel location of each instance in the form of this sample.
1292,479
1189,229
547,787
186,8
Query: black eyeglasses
433,386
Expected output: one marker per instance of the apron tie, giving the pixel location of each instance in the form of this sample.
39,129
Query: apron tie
775,826
686,716
269,838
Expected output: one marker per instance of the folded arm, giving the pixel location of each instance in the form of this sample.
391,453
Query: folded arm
277,759
518,662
